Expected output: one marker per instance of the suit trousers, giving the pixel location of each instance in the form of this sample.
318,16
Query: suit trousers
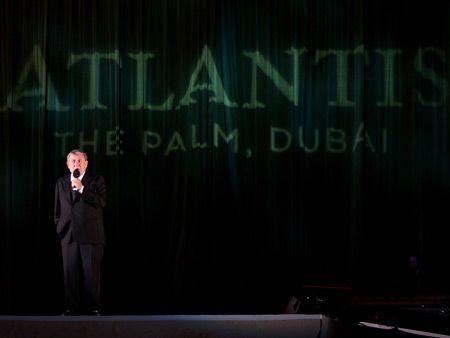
81,264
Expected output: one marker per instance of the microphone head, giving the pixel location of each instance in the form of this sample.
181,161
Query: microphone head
76,173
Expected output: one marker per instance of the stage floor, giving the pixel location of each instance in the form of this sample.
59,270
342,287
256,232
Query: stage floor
279,326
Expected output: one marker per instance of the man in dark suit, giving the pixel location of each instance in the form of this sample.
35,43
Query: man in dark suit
79,202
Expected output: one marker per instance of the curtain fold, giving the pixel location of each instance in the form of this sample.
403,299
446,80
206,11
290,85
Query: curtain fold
249,147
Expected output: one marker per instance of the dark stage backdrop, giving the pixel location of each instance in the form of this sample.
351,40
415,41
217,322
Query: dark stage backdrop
249,147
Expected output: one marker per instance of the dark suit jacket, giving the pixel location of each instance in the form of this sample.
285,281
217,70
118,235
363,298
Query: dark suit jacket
82,220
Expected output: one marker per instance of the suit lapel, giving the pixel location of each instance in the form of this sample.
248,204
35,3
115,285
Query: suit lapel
86,179
67,188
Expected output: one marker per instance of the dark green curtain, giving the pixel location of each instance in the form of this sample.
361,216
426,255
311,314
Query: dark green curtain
250,148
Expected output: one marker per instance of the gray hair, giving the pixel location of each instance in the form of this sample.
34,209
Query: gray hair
76,152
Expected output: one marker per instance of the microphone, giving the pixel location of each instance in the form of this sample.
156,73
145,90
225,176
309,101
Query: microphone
76,174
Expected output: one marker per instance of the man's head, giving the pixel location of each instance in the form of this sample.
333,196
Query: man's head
77,159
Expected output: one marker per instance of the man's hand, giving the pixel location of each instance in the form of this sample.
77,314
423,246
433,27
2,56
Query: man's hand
77,183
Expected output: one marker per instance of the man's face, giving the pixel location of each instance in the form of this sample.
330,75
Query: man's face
77,161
